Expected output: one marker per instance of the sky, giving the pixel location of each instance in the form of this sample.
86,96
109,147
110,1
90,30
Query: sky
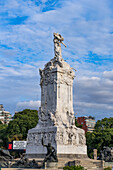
26,44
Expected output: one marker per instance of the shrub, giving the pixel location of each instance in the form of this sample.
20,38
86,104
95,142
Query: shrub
78,167
108,168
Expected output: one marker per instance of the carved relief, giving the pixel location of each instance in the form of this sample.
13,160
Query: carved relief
35,138
30,138
42,115
67,137
48,77
52,78
70,136
71,118
82,140
60,138
53,118
74,139
42,76
65,141
38,139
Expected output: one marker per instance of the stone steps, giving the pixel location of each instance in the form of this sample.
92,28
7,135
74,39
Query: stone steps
91,164
88,164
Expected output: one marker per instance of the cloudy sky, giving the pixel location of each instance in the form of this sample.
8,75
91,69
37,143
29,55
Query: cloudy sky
26,44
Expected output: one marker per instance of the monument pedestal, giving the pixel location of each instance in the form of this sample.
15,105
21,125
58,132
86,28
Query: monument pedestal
66,141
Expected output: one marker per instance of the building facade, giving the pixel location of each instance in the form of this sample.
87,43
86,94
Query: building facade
5,116
87,122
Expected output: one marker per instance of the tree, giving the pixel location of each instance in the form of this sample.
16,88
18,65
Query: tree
3,135
22,122
105,123
17,129
101,136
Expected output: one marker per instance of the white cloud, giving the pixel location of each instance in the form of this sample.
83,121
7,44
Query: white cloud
28,105
86,27
94,95
108,75
77,21
94,105
19,70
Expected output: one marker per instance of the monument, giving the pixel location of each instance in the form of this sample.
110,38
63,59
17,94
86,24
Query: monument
56,116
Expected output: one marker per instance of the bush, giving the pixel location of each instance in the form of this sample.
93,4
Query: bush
108,168
78,167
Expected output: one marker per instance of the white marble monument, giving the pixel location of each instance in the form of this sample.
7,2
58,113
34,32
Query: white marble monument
56,116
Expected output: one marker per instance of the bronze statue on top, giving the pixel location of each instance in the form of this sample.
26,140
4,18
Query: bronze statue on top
51,153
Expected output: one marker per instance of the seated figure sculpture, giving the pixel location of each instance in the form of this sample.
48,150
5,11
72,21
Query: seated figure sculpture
51,153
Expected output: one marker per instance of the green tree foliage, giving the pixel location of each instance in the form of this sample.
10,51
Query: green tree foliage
3,135
17,129
106,123
101,136
78,167
108,168
22,122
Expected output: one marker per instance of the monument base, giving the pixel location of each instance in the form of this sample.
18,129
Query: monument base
66,141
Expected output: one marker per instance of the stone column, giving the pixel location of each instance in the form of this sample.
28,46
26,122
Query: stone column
95,154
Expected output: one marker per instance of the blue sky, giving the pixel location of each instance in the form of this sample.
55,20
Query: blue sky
26,44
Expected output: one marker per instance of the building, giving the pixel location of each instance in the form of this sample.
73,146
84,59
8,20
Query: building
87,122
5,116
90,122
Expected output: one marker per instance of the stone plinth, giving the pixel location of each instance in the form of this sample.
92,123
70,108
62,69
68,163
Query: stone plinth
59,138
